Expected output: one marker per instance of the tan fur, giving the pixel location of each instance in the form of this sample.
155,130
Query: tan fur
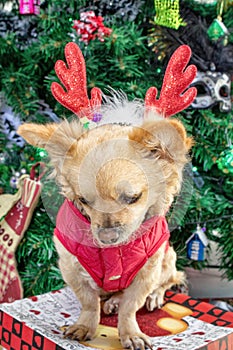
106,167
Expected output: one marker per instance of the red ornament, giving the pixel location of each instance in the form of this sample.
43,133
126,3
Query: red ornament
90,27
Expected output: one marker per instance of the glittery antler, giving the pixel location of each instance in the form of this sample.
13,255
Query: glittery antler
176,80
73,78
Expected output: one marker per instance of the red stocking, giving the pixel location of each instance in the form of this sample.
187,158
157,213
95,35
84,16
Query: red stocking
18,209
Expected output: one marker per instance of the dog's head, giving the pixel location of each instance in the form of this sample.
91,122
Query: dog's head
118,175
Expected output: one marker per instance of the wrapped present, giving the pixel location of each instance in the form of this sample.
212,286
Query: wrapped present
38,323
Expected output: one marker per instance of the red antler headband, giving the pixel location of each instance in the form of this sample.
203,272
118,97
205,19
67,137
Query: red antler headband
171,100
176,80
74,80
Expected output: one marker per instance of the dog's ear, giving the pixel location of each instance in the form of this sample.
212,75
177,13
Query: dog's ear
164,139
58,139
37,134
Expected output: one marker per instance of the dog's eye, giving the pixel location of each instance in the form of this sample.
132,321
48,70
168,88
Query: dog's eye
83,200
130,199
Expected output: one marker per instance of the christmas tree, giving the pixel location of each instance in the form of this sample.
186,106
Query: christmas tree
126,45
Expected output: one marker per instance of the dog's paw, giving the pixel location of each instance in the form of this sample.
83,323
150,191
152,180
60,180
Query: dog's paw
138,341
111,306
155,299
79,332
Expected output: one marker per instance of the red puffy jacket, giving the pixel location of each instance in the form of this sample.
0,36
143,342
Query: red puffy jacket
112,268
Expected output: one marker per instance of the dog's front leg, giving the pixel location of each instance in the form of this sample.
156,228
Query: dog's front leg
130,334
133,298
86,325
84,288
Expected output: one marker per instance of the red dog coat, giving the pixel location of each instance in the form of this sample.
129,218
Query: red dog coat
112,268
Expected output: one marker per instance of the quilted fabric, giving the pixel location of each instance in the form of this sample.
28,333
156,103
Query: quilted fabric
112,268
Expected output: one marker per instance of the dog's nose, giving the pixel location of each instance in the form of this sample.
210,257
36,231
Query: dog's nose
109,235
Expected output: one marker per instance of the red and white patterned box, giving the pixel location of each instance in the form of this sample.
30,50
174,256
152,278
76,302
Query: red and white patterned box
37,323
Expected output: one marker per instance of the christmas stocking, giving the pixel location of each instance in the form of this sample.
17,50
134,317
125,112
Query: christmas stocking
18,209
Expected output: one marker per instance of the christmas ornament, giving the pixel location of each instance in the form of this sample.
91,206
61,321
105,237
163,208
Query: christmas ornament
41,153
14,180
90,27
212,88
29,7
15,213
196,245
225,162
217,29
167,14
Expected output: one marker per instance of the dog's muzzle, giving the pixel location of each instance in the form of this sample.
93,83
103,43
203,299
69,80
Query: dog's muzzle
109,235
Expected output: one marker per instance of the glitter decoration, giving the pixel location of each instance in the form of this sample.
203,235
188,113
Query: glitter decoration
167,14
73,78
172,98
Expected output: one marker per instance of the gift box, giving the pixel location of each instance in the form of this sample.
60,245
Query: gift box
38,323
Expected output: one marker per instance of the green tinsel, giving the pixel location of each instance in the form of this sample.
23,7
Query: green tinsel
168,14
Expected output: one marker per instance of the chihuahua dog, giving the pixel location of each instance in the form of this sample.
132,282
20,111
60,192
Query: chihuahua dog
119,179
